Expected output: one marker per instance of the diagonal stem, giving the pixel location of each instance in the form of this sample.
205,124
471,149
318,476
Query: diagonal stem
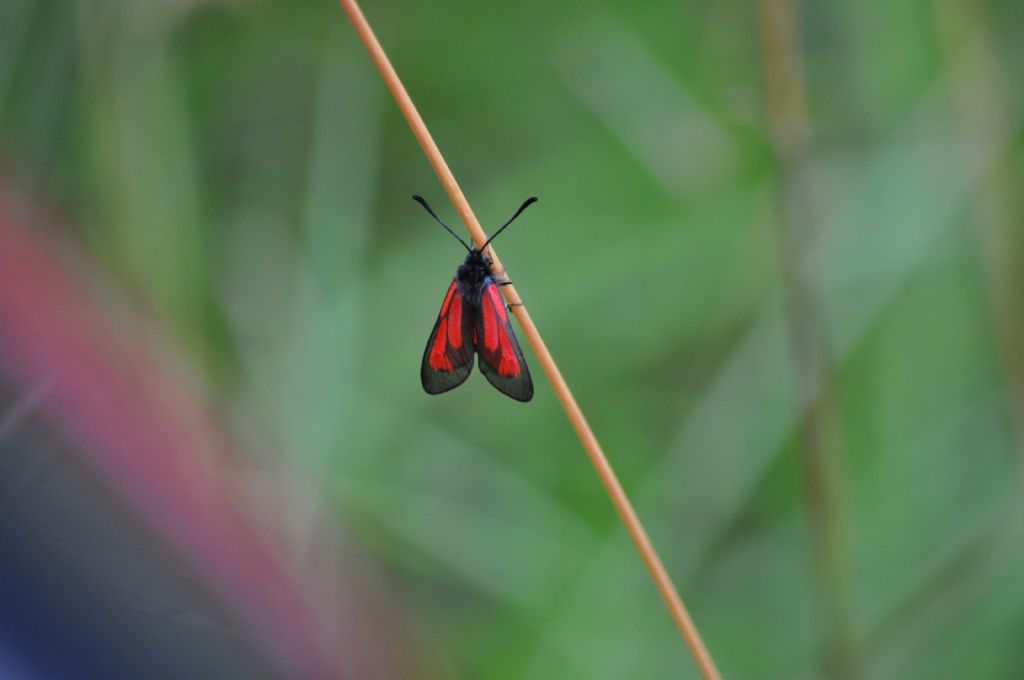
579,423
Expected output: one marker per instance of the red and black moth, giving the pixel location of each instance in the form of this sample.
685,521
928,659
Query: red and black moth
474,319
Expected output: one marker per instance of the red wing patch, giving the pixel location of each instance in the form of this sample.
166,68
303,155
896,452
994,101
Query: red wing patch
448,331
497,342
448,358
501,360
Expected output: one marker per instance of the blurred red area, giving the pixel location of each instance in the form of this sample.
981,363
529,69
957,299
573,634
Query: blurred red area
137,536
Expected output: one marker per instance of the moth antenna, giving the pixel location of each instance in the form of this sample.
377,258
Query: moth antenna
419,199
526,204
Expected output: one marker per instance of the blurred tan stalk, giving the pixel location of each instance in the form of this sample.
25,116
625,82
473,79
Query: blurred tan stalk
818,435
986,136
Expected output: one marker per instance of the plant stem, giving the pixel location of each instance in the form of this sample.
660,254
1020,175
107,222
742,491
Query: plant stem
579,423
987,134
818,438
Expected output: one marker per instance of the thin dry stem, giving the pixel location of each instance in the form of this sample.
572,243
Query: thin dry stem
604,470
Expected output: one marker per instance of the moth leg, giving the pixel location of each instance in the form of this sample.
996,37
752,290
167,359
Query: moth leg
507,282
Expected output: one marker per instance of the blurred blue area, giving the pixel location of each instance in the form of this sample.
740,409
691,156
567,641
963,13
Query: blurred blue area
85,593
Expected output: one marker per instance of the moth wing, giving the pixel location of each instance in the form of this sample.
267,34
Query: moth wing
448,357
501,359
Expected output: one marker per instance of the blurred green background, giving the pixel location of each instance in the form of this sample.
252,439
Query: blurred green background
796,330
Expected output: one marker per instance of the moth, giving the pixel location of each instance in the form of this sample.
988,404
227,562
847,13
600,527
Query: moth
474,321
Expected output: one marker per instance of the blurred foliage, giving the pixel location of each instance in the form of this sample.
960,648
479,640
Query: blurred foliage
241,172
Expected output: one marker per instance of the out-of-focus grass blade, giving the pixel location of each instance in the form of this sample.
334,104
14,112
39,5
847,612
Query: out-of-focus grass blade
476,516
644,105
326,334
715,461
37,69
15,31
15,18
149,223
